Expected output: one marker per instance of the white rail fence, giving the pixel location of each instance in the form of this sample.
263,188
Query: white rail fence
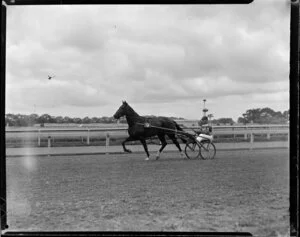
87,133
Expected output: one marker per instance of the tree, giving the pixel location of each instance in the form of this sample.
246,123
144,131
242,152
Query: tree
45,118
225,121
10,119
59,119
241,120
264,116
67,120
286,115
77,120
95,120
86,120
252,115
31,119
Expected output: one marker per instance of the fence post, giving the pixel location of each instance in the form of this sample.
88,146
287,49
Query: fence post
88,137
39,138
49,145
269,134
251,140
233,131
246,134
107,142
49,141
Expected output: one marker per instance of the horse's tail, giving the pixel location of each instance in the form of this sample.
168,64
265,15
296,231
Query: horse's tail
180,129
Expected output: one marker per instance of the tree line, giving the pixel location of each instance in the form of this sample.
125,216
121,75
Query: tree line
264,116
32,119
259,116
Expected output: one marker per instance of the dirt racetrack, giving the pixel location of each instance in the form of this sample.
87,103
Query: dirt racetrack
238,191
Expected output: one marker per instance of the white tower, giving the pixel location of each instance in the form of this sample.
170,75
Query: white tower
204,109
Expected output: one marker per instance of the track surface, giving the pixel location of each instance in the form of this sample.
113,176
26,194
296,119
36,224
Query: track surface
237,191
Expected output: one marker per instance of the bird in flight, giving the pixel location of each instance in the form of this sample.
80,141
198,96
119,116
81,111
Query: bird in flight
50,77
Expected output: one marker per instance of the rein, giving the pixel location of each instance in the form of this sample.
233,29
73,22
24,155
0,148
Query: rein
148,125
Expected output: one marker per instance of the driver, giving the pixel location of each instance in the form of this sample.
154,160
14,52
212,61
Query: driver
203,123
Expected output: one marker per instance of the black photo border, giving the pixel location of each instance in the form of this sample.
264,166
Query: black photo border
294,119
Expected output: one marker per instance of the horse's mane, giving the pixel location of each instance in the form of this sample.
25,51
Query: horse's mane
131,110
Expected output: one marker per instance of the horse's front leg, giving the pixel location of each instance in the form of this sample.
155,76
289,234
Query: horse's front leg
143,141
128,139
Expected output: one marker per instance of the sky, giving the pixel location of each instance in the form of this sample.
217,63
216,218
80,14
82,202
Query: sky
163,60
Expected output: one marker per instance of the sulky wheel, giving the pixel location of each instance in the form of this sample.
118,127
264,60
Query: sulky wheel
192,150
207,150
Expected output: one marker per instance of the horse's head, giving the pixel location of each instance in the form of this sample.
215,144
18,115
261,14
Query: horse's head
121,111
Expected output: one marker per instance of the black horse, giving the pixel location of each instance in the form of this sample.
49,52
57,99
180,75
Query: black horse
141,127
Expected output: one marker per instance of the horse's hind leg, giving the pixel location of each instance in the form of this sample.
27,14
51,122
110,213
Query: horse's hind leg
174,140
143,141
163,141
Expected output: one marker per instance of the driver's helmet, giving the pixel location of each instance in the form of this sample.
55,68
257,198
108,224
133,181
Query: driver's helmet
203,121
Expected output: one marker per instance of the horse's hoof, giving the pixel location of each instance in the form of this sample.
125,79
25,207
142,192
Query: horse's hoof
147,158
128,151
158,155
